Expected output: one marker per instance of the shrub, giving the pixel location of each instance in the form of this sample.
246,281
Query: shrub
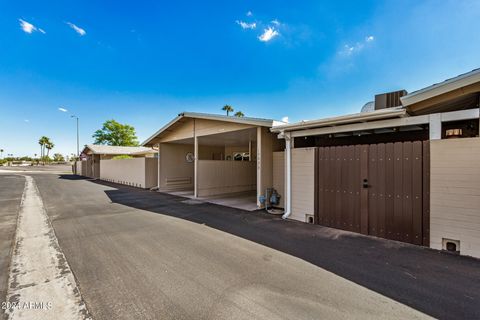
122,156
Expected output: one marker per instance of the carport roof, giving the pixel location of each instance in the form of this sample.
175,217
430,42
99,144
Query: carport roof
260,122
102,149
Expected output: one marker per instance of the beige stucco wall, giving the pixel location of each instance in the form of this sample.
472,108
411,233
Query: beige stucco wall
151,172
455,193
175,172
303,183
221,177
96,166
89,168
131,172
279,175
78,167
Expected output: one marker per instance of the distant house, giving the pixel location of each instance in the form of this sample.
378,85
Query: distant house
91,155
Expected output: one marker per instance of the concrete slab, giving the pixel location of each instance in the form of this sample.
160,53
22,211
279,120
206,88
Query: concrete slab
244,200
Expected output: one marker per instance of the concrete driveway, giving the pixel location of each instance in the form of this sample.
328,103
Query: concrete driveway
144,255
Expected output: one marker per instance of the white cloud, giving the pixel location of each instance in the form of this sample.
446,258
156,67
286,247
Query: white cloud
249,13
63,109
285,119
276,22
268,34
77,29
350,49
246,25
27,27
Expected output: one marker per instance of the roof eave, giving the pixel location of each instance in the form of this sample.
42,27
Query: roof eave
352,118
441,88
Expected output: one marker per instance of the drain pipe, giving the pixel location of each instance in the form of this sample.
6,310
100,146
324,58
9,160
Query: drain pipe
288,176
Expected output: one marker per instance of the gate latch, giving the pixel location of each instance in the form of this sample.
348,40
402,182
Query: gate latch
365,183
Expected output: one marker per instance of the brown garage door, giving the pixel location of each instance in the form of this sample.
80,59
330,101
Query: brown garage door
378,189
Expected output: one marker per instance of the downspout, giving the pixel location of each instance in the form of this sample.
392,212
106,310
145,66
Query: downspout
158,168
288,177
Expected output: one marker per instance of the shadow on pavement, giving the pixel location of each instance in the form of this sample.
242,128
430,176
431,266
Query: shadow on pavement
72,177
433,282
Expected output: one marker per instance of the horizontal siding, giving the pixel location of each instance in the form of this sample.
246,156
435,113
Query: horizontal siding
217,177
455,193
303,183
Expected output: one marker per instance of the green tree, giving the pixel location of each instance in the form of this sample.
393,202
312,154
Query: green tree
116,134
58,157
239,114
49,145
227,108
122,156
43,141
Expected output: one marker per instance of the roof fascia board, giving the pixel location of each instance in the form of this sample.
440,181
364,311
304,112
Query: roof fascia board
357,117
441,88
193,115
250,121
162,129
398,122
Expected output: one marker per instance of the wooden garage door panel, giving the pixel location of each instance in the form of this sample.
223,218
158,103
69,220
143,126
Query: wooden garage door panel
394,204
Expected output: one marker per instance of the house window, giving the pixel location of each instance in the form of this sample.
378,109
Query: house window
241,156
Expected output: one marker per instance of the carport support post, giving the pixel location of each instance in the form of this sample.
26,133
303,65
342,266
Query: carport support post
195,167
435,126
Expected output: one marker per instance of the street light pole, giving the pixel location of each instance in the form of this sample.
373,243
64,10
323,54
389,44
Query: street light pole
78,143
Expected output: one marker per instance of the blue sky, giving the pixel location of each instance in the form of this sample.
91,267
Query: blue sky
143,62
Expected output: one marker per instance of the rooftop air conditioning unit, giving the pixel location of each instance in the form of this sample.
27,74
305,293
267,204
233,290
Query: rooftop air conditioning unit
389,99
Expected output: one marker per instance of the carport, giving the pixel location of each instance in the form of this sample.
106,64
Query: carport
215,158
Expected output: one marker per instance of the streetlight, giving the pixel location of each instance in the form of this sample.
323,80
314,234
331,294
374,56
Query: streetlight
78,144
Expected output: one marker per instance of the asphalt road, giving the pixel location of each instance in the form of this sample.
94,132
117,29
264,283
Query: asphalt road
138,264
11,189
143,255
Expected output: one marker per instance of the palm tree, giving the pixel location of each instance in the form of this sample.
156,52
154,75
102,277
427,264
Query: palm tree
43,141
49,147
227,108
239,114
1,153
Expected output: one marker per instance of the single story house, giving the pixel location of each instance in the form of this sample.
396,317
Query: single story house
405,168
96,162
216,157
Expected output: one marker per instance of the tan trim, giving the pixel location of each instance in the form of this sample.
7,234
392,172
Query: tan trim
389,123
435,100
441,88
347,119
214,117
